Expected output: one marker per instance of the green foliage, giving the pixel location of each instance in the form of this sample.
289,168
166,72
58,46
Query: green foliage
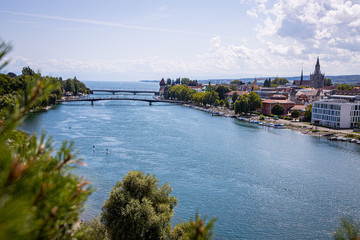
344,87
4,49
40,198
267,83
327,82
254,101
221,90
93,230
27,71
295,113
234,97
210,97
242,105
307,113
247,103
198,230
262,117
279,81
138,208
348,230
217,102
75,86
277,109
168,81
185,81
180,92
227,103
235,82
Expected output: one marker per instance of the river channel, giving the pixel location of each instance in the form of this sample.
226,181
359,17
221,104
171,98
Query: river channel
260,182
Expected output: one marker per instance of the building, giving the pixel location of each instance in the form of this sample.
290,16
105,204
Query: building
230,94
337,112
317,79
280,99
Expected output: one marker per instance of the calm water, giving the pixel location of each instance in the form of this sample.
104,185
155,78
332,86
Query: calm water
261,183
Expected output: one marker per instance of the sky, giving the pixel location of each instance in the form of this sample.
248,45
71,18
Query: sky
116,40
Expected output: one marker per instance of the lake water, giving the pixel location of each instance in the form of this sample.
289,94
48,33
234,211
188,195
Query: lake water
261,183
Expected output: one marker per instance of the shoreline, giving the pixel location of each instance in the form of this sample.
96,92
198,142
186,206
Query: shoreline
302,127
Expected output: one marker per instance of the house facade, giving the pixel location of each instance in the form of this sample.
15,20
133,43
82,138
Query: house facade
280,99
336,113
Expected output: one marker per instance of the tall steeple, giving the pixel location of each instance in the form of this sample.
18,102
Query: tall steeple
317,67
302,77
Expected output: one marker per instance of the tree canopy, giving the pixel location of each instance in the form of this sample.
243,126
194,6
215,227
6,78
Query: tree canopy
221,90
247,103
40,197
279,81
139,208
277,109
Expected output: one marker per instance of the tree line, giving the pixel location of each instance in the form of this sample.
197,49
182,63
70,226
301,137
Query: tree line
12,87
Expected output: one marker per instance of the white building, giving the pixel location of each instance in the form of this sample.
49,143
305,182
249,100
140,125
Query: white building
336,113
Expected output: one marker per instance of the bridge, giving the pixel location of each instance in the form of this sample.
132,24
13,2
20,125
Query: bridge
113,91
92,100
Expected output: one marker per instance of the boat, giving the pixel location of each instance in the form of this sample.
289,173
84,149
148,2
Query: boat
279,126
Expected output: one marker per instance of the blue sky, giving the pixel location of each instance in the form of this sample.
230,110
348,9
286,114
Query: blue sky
134,40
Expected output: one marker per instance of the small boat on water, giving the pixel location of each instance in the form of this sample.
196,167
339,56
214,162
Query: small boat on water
279,126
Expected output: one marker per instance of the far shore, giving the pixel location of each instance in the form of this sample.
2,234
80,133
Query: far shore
303,127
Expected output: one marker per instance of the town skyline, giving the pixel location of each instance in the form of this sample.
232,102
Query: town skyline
127,41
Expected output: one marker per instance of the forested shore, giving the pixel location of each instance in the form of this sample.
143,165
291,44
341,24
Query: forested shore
12,87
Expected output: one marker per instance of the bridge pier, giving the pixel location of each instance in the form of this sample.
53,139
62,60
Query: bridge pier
113,93
92,103
150,103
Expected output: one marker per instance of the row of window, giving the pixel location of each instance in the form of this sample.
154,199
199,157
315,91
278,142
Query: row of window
327,106
328,112
355,107
354,113
355,119
326,117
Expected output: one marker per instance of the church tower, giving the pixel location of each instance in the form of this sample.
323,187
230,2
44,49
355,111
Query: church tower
317,79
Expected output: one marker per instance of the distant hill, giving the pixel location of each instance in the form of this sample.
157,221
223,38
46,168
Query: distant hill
348,79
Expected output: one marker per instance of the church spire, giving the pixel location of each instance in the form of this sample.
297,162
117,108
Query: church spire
302,77
317,67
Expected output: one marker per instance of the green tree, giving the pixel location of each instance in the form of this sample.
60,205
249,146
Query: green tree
138,208
27,71
344,86
177,81
254,101
210,97
242,105
40,197
348,230
279,81
327,82
216,103
168,81
234,97
185,81
221,90
295,114
277,109
4,49
198,230
235,82
308,113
